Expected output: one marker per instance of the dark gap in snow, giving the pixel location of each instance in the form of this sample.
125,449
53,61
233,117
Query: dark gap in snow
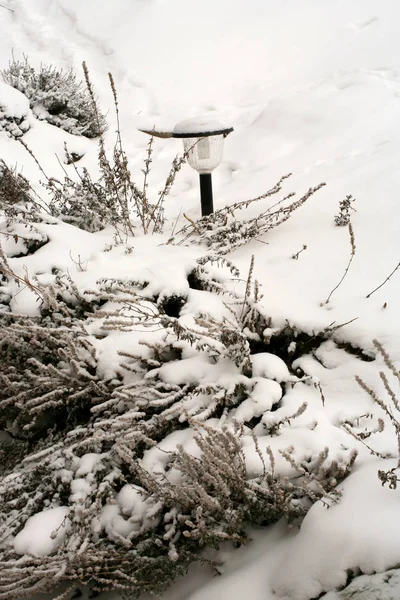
359,352
194,281
56,108
31,247
171,305
289,345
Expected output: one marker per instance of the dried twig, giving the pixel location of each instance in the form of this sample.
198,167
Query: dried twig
353,251
387,279
6,7
191,222
296,256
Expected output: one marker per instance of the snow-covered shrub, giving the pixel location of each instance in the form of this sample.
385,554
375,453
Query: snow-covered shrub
56,96
114,198
47,378
391,409
222,232
19,205
14,190
14,111
138,472
84,203
19,235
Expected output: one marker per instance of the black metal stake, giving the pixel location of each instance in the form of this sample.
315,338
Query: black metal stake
206,195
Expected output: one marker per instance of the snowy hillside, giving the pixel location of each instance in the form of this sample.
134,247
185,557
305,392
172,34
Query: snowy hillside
311,88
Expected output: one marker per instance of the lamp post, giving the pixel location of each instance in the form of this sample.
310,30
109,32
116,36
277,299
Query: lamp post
203,141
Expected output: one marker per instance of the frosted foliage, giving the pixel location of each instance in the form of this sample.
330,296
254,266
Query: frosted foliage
171,451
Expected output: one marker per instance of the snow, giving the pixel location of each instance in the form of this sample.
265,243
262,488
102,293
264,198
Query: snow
382,586
43,532
199,125
88,463
310,87
263,396
14,106
132,514
348,536
12,102
270,366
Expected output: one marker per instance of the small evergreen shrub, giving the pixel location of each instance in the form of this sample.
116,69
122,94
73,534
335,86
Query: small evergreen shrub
57,97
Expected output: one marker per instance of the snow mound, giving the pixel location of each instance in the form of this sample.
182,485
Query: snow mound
263,396
270,366
37,536
347,536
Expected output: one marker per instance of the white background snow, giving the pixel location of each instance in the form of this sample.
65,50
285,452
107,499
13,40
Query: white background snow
311,87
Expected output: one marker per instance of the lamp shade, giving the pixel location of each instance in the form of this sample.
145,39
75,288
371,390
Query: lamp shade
203,140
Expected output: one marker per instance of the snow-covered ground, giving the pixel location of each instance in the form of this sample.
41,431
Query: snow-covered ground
311,87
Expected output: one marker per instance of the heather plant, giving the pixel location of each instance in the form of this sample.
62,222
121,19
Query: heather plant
20,210
87,442
222,232
390,407
57,97
63,416
15,190
114,198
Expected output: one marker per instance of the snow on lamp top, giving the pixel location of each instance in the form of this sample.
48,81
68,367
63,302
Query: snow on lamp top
203,140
